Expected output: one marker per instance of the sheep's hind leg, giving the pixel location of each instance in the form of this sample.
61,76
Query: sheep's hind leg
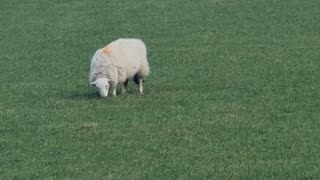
124,86
141,86
139,80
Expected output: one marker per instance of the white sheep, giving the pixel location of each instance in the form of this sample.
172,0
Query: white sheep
118,62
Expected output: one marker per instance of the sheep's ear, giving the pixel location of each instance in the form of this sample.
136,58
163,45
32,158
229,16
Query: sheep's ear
93,84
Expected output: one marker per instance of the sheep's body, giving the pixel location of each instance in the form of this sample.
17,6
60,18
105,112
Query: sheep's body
118,62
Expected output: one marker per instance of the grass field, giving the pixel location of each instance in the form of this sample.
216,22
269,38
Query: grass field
233,93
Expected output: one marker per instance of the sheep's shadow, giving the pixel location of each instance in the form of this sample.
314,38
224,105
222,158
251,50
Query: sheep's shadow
82,96
83,93
77,96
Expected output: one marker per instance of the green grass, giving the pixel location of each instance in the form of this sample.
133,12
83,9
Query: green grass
233,93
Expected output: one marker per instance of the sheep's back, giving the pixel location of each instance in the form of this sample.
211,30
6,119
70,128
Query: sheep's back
129,54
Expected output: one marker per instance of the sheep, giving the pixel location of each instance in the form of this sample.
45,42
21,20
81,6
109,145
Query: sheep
118,62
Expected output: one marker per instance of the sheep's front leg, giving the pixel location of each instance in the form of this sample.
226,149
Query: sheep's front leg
113,88
107,92
114,93
124,86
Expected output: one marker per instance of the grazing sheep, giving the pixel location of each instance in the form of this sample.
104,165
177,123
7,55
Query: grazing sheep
118,62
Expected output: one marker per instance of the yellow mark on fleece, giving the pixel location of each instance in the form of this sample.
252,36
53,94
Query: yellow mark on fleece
106,50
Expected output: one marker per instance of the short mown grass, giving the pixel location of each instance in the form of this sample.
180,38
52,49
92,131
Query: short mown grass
233,93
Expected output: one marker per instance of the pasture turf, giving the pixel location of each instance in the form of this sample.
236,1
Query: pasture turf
233,93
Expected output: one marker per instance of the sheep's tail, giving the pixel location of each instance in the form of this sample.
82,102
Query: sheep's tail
144,70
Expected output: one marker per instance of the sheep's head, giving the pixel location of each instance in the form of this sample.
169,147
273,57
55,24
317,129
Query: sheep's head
102,86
